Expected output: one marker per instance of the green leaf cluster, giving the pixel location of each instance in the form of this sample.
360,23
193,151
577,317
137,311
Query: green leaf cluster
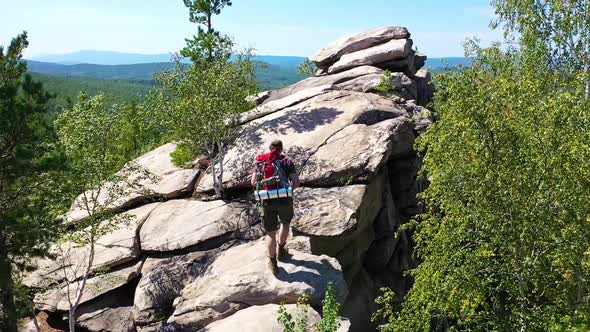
307,68
329,322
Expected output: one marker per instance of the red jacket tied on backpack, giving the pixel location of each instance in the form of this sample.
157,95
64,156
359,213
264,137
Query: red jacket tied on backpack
269,162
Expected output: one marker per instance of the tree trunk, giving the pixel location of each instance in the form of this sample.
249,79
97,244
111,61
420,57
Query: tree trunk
72,319
82,287
9,317
36,322
587,89
220,158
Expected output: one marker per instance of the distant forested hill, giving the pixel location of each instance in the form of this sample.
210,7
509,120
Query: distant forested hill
270,76
129,82
140,72
115,91
437,65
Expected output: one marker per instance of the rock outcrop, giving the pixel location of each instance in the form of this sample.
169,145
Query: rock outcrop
191,262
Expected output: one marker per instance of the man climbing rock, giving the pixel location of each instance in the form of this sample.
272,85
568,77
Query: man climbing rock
274,177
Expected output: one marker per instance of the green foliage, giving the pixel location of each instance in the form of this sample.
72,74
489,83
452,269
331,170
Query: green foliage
300,324
208,44
562,25
98,141
388,307
301,321
183,155
286,319
346,180
307,68
330,309
385,85
328,323
201,101
504,244
90,136
27,160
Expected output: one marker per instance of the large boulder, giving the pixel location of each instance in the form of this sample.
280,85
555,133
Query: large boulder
357,249
118,319
330,54
119,246
367,148
406,65
332,212
181,224
161,282
304,128
56,299
396,49
28,325
148,177
335,80
259,319
240,277
425,87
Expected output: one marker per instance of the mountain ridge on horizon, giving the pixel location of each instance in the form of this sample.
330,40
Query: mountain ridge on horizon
114,58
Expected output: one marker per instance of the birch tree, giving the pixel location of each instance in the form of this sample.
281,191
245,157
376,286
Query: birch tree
91,136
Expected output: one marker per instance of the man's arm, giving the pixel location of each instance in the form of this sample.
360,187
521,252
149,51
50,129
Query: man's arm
294,180
253,179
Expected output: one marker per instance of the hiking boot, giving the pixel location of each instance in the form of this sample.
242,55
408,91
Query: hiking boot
273,265
283,253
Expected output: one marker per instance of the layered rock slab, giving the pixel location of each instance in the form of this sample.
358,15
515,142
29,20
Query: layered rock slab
330,54
326,80
180,224
117,247
304,128
118,319
240,277
147,177
259,319
366,148
56,299
396,49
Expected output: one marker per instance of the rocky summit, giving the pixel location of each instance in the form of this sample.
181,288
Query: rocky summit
188,262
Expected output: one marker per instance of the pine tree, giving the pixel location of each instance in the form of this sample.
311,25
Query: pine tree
27,156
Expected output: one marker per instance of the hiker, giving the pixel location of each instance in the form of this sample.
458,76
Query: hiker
274,177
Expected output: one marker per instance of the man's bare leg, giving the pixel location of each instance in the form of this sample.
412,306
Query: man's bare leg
271,247
271,244
283,234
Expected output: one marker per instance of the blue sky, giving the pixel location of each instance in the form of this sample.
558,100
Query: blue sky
273,27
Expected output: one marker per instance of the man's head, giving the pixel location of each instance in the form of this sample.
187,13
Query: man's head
276,145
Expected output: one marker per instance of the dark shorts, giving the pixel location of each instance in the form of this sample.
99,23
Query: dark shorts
275,210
